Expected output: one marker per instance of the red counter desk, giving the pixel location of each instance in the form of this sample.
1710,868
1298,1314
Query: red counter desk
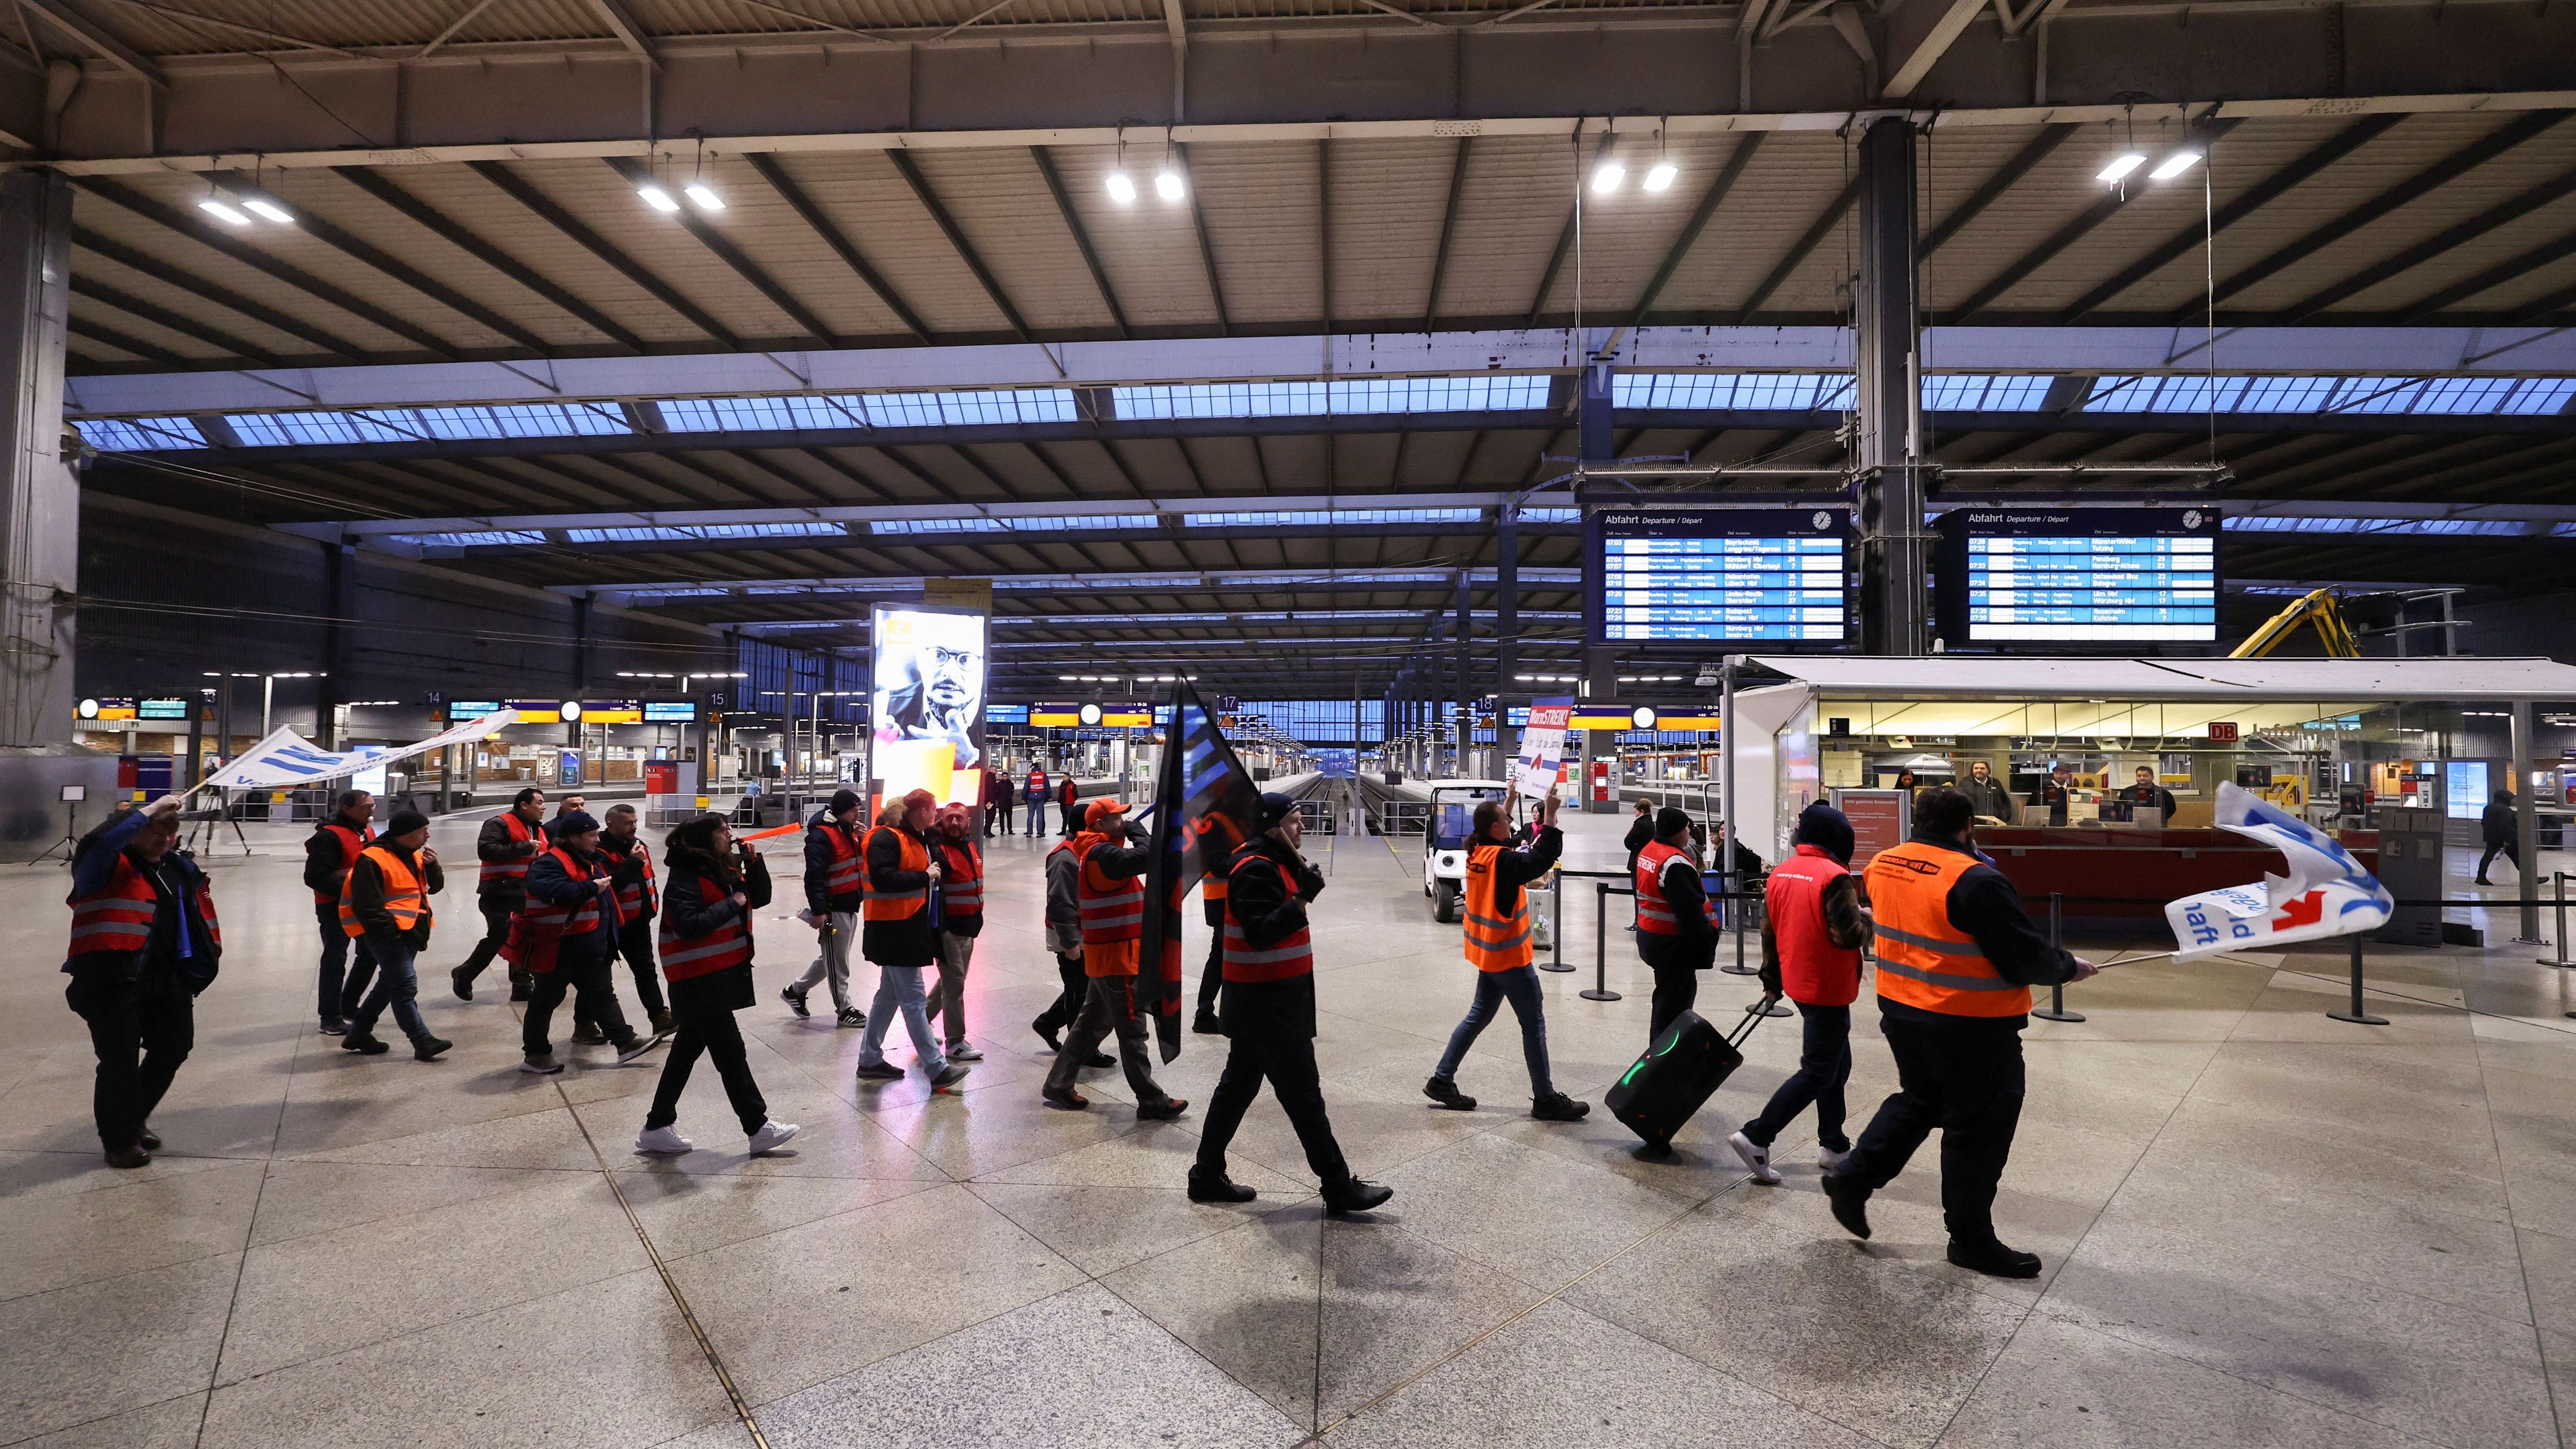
2142,868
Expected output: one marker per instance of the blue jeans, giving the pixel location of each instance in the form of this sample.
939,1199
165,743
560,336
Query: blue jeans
1520,986
899,989
343,985
1037,816
398,986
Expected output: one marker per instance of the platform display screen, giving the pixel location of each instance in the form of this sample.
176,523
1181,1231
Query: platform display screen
1723,575
670,711
2078,575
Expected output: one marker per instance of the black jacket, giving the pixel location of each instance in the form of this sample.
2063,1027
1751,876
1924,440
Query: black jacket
1514,869
367,899
697,897
493,846
326,864
1641,833
2154,797
549,882
1985,906
627,866
2499,825
1261,903
1696,944
1991,798
910,941
175,882
818,865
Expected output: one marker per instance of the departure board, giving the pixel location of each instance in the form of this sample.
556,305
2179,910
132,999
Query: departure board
2079,575
1700,573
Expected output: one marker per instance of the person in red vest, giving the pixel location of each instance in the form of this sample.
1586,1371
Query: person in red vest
386,902
1034,795
1069,800
565,939
328,855
630,870
1267,1009
898,936
1812,933
835,889
961,920
1676,929
506,845
144,943
1110,859
715,887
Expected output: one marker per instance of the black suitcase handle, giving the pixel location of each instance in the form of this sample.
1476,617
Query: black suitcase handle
1752,1018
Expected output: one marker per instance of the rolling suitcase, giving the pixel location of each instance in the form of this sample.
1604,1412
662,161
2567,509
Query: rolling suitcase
1691,1060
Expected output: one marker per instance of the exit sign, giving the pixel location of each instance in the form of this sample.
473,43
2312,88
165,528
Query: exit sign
2222,732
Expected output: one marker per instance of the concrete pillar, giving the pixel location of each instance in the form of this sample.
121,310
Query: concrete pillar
40,520
1466,690
1893,554
581,662
1600,671
2526,827
1507,629
340,588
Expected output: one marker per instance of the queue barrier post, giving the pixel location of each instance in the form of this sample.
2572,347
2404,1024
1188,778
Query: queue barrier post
2558,947
2056,1010
1601,944
2357,1015
1556,926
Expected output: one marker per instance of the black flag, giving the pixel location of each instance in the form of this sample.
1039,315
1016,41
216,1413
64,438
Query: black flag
1204,806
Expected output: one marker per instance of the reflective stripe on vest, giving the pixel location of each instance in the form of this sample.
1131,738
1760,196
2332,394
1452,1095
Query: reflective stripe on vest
848,874
961,880
883,905
684,957
639,895
510,870
1923,960
1655,914
1495,942
405,901
1112,911
551,920
351,842
1293,956
119,917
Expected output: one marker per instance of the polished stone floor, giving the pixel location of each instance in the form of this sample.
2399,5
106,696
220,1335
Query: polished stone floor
2260,1226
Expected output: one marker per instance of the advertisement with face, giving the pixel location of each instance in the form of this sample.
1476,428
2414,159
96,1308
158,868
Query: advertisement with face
928,699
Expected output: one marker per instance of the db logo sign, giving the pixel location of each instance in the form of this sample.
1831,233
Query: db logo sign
2222,732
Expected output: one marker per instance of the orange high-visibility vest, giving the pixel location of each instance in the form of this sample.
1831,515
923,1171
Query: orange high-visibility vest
1655,914
885,905
351,842
1495,942
848,874
405,899
538,931
1923,960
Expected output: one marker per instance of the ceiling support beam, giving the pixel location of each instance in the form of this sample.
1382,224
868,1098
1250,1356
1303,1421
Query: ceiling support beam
2468,158
2503,213
161,271
1699,219
369,255
637,173
2512,270
629,34
125,342
948,227
1081,236
1448,233
98,42
1800,250
1207,243
1936,43
161,316
847,250
170,217
382,188
592,242
1565,237
2041,147
2064,237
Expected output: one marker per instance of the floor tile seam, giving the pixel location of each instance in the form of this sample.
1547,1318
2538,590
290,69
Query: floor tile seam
313,1154
1649,1334
232,1306
2367,1285
925,1186
2531,1300
111,1414
2345,982
306,1236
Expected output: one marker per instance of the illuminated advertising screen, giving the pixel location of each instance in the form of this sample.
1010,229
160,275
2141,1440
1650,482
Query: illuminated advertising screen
1713,574
927,699
2056,576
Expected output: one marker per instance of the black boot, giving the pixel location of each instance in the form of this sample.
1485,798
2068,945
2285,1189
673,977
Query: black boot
1356,1196
1992,1258
1850,1203
1444,1090
1219,1188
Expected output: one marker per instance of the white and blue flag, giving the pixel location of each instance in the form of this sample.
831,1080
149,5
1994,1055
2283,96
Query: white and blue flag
2326,893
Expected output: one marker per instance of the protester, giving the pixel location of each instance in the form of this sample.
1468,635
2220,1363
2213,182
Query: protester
1034,795
716,885
1110,888
507,844
328,854
1063,937
1498,946
1267,1011
630,870
565,939
1676,928
1812,932
834,892
144,944
386,901
897,937
2501,828
961,920
1957,957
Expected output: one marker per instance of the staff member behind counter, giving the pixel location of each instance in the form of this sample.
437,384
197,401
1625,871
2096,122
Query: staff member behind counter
2057,792
2147,794
1988,794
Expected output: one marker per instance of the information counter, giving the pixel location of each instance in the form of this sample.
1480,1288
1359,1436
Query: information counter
2121,876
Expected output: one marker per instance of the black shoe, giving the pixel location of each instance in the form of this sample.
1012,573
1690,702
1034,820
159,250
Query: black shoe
462,982
128,1157
851,1016
587,1033
1444,1090
881,1072
148,1140
1850,1203
1167,1110
364,1044
1558,1107
519,992
2482,880
1206,1024
1219,1189
795,1000
334,1026
1064,1101
427,1048
948,1076
1993,1259
1356,1196
1045,1035
636,1045
1100,1059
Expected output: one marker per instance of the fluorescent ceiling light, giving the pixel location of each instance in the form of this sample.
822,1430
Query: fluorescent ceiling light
1659,177
656,198
2174,165
1122,187
223,209
1167,185
705,196
270,209
1607,176
2121,165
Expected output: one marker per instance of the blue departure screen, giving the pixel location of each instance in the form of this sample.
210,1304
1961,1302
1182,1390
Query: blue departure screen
1721,574
2101,575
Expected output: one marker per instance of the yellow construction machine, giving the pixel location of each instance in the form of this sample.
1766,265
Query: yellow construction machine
2316,607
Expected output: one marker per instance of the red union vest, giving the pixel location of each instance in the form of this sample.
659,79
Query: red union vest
1293,956
543,925
1113,912
639,896
351,842
848,875
684,957
1654,913
1812,968
961,880
515,870
1923,960
119,917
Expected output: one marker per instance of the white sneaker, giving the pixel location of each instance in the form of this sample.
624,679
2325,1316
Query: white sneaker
964,1053
662,1139
1756,1159
1830,1160
772,1136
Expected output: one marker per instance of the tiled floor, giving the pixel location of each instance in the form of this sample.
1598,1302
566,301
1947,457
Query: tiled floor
2261,1227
